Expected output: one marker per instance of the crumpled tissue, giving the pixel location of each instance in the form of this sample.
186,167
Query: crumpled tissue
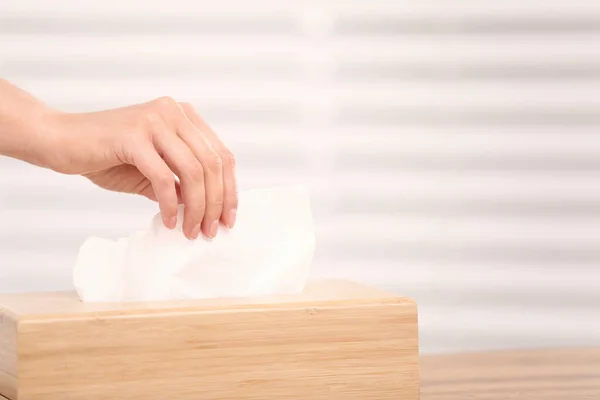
269,251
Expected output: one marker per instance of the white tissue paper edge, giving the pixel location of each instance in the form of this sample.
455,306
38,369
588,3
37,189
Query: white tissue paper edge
269,251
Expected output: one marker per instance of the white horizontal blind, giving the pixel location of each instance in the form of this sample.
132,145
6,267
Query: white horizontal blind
452,147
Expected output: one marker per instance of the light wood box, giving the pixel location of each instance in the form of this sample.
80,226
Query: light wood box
336,341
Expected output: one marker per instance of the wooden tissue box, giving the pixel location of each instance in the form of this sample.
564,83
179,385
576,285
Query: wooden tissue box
337,340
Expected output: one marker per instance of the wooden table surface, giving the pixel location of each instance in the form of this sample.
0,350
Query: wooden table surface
570,374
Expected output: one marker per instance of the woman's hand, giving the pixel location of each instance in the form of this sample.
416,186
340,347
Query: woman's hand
139,149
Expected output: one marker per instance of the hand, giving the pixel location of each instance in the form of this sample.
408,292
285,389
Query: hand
139,149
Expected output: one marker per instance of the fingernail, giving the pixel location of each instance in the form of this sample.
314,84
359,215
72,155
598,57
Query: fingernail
231,219
172,222
195,232
213,229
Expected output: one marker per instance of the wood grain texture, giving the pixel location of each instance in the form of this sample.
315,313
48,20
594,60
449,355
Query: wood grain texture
557,374
337,340
8,352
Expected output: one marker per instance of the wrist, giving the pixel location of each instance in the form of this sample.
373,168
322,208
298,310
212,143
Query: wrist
40,142
47,145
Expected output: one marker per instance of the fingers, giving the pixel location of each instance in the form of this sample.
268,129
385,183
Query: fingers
190,171
152,166
213,175
187,147
202,139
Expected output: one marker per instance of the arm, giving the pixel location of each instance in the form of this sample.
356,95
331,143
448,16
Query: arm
137,149
22,121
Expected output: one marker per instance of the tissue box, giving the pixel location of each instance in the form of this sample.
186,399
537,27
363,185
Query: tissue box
336,340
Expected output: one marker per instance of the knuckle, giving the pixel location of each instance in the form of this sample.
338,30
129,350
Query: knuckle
218,201
198,208
165,180
194,171
148,119
165,103
228,159
214,163
166,110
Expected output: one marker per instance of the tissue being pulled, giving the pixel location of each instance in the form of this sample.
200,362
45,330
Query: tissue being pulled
269,251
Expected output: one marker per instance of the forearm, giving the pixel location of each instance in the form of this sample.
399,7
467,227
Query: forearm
23,122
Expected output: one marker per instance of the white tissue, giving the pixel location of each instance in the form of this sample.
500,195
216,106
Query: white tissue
269,251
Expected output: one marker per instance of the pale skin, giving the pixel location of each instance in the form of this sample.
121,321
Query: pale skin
161,149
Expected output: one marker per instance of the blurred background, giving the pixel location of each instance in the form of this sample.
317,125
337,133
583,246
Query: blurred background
452,147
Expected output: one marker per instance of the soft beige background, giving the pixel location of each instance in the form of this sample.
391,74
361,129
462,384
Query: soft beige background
452,147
